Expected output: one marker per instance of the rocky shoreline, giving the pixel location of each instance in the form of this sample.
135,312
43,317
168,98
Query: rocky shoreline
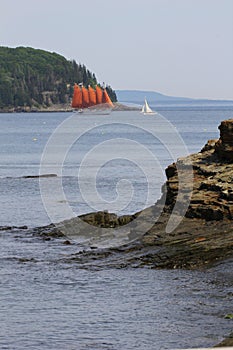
60,108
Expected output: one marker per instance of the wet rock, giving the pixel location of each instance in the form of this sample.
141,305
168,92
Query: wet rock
106,219
5,228
67,242
48,232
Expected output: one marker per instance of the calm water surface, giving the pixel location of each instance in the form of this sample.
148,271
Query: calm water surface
48,300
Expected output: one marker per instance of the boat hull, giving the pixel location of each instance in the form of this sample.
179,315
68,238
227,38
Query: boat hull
93,111
149,113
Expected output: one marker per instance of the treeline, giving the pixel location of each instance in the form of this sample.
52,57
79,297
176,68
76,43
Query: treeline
33,78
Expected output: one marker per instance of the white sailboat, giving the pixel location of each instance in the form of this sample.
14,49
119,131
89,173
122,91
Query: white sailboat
146,109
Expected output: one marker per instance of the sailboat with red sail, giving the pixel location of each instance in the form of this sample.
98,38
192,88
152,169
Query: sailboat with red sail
90,100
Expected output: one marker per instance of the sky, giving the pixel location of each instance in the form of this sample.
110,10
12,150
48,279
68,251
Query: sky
175,47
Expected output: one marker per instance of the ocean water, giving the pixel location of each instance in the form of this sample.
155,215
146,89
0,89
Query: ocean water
111,149
48,300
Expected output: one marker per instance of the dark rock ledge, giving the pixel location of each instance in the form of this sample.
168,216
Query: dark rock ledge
203,237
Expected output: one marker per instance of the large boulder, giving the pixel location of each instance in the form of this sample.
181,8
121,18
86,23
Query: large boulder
224,146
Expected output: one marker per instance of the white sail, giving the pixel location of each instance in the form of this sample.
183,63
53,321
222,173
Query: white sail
146,109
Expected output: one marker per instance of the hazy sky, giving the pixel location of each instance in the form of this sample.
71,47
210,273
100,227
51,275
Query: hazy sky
176,47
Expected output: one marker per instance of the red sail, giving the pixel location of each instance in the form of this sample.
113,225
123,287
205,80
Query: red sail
77,97
92,96
99,94
85,97
106,98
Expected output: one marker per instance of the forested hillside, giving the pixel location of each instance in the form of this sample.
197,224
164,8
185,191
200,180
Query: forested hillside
37,78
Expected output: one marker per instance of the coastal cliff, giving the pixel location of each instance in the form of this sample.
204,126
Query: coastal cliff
204,234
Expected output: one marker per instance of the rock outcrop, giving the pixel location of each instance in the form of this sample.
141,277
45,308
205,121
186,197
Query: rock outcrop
205,231
224,146
212,182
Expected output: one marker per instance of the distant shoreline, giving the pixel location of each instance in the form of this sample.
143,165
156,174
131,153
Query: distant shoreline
61,108
139,95
120,106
